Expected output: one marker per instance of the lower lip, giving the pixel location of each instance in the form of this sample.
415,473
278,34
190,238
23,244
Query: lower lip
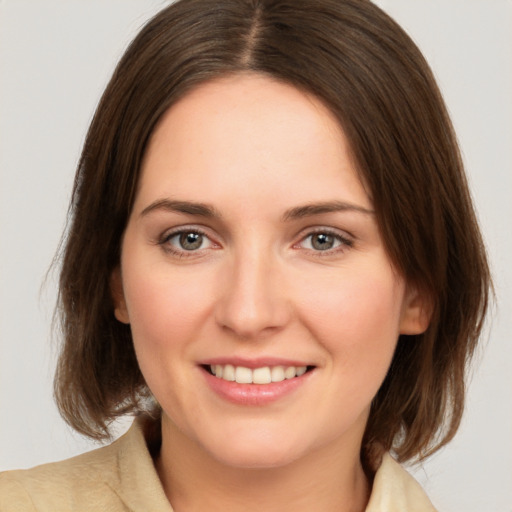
254,394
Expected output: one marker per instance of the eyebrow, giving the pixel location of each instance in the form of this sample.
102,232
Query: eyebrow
186,207
309,210
208,211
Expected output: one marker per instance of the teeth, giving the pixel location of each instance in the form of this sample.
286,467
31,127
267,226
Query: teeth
263,375
301,370
228,373
243,375
289,373
277,374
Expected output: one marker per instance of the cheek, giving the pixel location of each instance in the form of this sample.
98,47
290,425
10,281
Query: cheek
356,318
167,311
164,308
356,303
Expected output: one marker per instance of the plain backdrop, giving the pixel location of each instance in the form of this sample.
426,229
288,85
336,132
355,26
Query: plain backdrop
55,59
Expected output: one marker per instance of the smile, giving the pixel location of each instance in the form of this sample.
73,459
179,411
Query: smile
262,375
256,383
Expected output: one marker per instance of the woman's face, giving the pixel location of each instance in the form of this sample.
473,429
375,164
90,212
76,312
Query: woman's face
252,255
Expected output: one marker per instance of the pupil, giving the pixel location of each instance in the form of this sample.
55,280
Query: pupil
191,241
322,241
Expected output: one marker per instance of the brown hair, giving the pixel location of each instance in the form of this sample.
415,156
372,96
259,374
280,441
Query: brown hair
371,75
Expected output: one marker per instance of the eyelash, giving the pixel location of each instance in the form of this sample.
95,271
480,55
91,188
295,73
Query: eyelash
344,242
181,253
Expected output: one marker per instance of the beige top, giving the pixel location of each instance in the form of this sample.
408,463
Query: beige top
122,477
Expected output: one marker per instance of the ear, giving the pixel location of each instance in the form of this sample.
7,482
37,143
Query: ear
117,292
417,309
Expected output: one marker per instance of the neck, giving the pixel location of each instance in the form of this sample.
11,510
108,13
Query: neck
328,479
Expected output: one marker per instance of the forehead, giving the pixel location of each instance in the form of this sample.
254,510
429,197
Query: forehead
250,131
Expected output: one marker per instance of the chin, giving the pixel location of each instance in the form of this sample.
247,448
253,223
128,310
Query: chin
256,459
264,452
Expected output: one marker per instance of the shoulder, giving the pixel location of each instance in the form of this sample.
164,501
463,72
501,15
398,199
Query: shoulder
394,489
62,485
118,477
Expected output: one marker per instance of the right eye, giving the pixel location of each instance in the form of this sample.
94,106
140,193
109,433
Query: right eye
186,241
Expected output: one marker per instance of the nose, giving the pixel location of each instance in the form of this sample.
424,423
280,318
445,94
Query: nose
253,301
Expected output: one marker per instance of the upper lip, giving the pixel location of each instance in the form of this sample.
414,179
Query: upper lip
252,363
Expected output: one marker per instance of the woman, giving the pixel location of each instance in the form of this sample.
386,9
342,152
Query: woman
273,259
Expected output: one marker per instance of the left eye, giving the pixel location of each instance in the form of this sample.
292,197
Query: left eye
323,241
188,241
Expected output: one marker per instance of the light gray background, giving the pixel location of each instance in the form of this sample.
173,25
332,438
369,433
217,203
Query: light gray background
55,59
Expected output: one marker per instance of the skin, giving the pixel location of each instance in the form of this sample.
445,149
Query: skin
256,150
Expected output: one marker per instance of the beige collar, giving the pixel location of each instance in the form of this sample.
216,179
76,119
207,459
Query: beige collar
138,484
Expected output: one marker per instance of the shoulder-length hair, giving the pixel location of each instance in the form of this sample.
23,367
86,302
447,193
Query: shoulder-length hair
363,66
